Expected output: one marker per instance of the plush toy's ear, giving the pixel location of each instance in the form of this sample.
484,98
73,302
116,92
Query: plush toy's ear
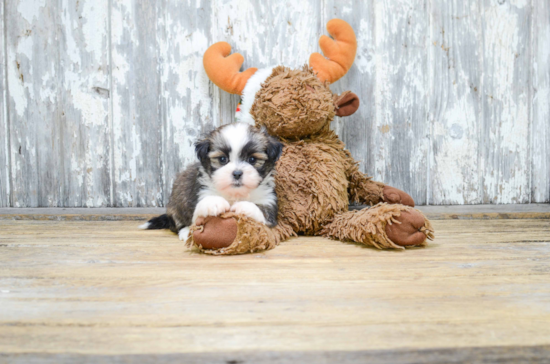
346,104
202,147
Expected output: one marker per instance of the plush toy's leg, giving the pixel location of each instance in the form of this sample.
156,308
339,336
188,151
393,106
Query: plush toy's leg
383,226
230,234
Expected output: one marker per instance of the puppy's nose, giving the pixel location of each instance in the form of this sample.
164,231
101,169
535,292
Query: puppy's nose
237,174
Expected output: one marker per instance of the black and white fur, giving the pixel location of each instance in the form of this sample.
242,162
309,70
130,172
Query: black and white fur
234,173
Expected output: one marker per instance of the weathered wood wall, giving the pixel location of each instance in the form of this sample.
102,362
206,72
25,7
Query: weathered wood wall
102,100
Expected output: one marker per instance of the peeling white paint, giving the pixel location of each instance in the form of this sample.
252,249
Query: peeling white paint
364,60
18,91
400,94
5,181
447,110
30,9
94,39
454,106
506,105
455,156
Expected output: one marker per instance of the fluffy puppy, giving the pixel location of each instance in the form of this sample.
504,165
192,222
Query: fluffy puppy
234,173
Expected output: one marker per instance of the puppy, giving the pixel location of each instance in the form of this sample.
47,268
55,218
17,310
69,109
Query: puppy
234,173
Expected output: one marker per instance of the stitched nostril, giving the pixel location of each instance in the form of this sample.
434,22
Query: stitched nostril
237,174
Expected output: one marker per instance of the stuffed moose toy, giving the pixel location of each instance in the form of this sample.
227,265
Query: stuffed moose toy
316,177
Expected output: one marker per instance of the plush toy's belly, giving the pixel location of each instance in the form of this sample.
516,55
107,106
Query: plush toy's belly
311,185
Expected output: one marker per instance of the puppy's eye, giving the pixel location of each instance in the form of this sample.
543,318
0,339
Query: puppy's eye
222,160
252,160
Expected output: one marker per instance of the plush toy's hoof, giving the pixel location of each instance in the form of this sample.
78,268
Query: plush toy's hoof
393,195
411,231
230,234
216,232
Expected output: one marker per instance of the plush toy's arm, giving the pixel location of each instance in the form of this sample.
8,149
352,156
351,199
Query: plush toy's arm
363,190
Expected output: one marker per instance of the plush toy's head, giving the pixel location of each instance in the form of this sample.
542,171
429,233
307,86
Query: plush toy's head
293,103
290,103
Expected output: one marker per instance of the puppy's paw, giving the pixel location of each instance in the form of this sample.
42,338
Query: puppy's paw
211,206
248,209
183,233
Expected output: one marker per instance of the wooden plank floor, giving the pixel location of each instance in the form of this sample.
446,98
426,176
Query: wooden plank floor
87,291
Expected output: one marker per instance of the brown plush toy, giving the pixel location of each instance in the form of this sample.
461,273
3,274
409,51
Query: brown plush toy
317,178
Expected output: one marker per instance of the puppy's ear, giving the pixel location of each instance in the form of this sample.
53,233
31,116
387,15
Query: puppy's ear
274,148
202,147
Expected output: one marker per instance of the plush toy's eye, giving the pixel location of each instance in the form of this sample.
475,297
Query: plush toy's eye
222,160
252,160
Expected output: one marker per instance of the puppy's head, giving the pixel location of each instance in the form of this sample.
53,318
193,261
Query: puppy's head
237,157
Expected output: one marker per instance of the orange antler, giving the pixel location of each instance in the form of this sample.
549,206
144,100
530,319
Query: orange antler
224,70
340,52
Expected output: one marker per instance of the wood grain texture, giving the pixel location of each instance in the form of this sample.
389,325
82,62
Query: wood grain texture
103,100
35,110
5,179
106,288
455,108
401,151
505,131
136,98
540,114
498,354
83,39
58,81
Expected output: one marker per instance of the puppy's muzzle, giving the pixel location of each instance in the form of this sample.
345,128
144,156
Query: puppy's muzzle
237,174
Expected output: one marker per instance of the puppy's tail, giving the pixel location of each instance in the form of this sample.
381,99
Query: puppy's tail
159,222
